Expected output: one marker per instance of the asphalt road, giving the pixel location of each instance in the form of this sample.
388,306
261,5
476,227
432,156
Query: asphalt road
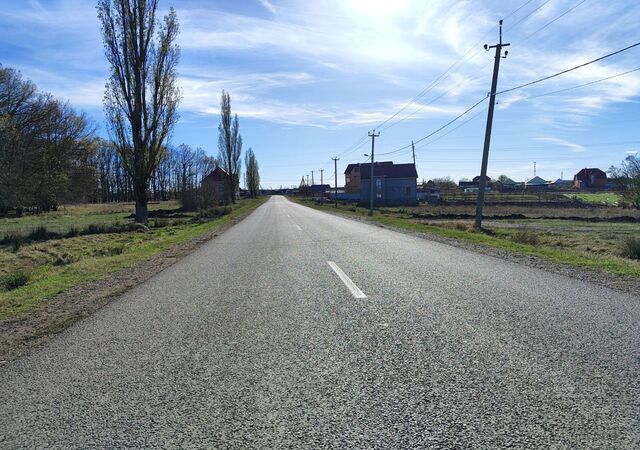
256,341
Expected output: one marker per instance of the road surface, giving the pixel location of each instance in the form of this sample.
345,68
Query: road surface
300,329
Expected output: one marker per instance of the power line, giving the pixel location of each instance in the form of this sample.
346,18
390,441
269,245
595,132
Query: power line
462,59
554,20
354,146
439,129
522,19
569,70
584,84
454,87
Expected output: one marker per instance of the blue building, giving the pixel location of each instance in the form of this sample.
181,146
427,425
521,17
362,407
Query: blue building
394,184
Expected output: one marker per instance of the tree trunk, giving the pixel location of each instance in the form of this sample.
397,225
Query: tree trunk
141,211
141,198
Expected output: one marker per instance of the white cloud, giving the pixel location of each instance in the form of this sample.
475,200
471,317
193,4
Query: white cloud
268,6
574,147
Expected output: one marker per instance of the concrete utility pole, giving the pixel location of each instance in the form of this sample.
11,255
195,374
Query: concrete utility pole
307,179
373,137
321,177
312,182
335,165
413,152
534,169
487,135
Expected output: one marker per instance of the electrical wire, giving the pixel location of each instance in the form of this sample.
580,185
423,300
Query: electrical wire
439,129
569,70
444,75
554,20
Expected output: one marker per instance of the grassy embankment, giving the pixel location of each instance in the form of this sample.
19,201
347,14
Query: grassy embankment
598,244
49,267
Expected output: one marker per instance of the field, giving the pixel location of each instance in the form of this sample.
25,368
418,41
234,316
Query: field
78,216
598,237
40,269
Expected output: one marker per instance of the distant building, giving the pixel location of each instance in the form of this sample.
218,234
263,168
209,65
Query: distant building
536,184
216,182
506,184
352,175
590,178
561,184
394,184
474,185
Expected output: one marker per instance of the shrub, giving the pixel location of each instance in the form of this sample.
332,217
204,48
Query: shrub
73,232
94,229
189,200
630,248
212,213
40,233
526,237
14,280
13,240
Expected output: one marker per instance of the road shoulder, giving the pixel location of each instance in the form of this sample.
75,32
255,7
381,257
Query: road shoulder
626,284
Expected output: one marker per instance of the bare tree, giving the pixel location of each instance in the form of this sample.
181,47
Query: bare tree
229,146
252,175
141,95
626,179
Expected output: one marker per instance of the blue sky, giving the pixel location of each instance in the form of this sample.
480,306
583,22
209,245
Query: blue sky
309,79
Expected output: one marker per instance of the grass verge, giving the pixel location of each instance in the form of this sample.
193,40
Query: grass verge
56,266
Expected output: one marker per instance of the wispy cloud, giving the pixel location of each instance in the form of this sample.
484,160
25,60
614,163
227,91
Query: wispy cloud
268,6
574,147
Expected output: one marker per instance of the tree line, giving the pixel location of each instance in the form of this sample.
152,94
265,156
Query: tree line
50,154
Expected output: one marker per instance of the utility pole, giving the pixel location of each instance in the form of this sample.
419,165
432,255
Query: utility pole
534,169
487,134
335,165
321,178
307,179
312,182
413,151
373,137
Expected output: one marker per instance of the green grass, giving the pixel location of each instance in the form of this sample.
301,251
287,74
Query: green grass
76,216
598,198
56,266
589,245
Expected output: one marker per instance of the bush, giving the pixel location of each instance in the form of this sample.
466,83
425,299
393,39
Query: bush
189,200
73,232
630,248
212,213
13,240
40,233
14,280
526,237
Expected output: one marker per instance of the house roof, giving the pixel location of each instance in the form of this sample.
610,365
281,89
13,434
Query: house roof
218,174
536,181
389,171
586,172
350,167
507,181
